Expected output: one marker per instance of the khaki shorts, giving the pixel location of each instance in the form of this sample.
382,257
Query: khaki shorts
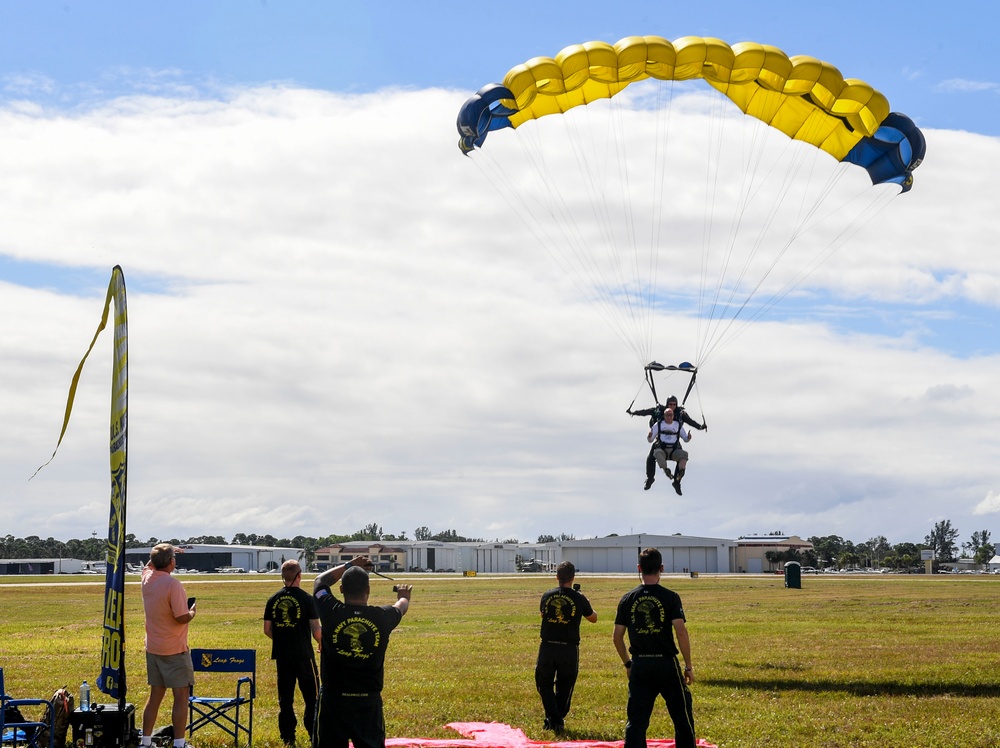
670,453
169,671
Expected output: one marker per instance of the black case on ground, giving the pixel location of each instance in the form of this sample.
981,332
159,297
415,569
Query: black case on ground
104,726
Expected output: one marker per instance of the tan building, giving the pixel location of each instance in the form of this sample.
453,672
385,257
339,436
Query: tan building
751,552
384,557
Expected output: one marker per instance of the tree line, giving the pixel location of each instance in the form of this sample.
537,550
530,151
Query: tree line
829,550
877,552
93,548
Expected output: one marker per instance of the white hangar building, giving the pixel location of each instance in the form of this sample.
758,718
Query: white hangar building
206,557
682,554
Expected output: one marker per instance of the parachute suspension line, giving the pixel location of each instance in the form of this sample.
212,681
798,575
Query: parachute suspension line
738,285
638,295
701,408
711,319
661,140
575,252
631,288
694,377
874,206
755,139
722,331
586,164
803,274
621,252
644,259
716,310
532,215
652,385
806,220
713,163
705,240
592,166
636,395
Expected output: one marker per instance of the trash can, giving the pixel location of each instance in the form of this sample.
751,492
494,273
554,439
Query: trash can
793,575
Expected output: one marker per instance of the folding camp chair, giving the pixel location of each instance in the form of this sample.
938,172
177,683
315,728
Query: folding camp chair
233,714
17,729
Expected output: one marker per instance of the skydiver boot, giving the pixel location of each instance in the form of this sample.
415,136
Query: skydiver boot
677,481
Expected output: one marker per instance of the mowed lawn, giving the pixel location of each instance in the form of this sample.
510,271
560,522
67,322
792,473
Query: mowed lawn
851,660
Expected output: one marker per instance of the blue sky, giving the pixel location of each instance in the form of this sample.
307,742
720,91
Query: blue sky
335,322
935,61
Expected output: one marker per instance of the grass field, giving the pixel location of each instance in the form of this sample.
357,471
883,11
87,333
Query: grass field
887,661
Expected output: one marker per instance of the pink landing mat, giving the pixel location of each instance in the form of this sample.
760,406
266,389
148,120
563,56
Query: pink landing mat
498,735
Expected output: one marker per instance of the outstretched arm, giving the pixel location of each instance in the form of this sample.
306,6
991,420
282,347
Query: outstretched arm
403,592
685,418
332,575
643,412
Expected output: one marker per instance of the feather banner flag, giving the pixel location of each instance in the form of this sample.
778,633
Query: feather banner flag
112,676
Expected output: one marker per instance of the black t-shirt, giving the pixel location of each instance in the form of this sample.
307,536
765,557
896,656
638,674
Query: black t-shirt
562,608
289,610
355,638
648,612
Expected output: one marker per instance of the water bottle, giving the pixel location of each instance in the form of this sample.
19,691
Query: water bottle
85,697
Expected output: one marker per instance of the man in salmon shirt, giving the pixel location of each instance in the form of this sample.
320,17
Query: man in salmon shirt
168,660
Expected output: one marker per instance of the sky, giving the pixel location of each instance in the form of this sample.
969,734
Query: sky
335,321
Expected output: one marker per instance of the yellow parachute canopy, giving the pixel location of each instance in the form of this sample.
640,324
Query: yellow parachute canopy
803,97
667,200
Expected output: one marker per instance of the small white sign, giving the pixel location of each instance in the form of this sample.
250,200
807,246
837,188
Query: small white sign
927,555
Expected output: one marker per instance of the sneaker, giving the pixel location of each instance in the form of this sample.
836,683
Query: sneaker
677,487
666,472
649,482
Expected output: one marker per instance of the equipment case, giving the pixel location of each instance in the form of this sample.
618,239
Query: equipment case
104,726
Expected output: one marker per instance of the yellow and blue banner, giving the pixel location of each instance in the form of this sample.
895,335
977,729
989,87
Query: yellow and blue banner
112,677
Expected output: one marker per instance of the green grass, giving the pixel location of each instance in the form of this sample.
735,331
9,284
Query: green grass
869,661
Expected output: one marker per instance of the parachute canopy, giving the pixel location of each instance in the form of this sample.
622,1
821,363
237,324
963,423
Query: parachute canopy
803,97
689,180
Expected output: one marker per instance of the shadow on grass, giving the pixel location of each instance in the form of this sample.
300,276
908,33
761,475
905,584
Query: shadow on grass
858,688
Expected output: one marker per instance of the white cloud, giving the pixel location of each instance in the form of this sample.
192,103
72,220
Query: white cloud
334,320
989,505
27,84
961,85
941,393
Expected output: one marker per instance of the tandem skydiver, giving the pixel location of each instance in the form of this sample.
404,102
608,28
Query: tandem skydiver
666,429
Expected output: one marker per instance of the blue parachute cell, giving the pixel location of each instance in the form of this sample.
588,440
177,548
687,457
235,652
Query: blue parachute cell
892,153
481,114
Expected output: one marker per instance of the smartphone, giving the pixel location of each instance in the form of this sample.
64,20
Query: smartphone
191,602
